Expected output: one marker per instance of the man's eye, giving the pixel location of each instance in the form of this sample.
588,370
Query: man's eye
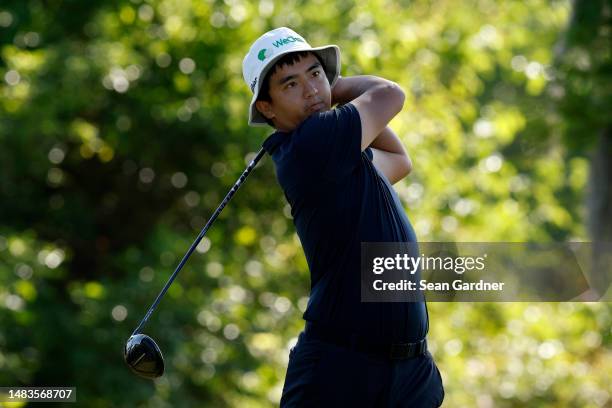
290,84
316,73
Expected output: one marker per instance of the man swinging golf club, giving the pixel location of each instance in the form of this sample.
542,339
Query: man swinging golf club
336,167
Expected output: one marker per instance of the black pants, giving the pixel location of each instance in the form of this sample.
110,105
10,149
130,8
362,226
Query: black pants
322,374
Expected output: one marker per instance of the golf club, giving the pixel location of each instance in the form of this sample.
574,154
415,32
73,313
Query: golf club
141,353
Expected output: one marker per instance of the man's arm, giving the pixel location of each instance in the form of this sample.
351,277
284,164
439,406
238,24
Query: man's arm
377,100
390,157
347,89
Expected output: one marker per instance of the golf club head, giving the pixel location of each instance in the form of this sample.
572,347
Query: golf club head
144,356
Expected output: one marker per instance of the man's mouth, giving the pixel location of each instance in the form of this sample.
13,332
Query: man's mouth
315,107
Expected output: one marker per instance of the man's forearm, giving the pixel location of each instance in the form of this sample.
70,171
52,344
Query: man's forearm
390,157
388,141
348,88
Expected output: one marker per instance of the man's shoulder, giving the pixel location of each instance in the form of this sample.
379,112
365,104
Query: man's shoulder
332,120
325,145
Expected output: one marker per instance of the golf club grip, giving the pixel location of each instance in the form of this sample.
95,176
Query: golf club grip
227,198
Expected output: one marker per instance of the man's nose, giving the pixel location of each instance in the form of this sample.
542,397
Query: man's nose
310,90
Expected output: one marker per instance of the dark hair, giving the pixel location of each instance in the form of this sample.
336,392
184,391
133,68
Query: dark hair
287,59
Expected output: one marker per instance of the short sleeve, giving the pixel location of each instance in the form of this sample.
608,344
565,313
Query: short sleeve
329,142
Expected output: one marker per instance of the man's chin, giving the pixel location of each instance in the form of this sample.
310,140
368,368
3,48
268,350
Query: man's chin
319,107
314,113
318,110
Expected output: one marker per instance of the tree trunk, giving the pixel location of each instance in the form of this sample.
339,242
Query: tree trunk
599,206
589,127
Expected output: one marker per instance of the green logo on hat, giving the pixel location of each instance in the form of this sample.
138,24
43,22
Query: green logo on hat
262,54
287,40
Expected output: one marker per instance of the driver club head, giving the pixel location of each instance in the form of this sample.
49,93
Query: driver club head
144,356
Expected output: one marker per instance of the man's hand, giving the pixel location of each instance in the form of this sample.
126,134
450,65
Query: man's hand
344,91
390,157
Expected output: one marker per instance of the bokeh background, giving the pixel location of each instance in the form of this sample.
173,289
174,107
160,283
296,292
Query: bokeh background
124,123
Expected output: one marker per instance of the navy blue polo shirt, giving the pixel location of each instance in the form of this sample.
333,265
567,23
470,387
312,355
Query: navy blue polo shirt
338,200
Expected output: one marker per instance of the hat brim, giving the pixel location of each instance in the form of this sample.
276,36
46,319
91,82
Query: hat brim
329,55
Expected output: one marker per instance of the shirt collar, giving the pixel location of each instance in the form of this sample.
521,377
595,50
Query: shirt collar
273,141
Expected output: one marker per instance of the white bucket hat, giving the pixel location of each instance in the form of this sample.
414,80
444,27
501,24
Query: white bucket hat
268,48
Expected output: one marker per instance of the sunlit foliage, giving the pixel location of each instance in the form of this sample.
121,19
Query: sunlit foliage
124,123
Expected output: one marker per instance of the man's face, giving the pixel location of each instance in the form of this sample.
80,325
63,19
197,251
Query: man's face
296,92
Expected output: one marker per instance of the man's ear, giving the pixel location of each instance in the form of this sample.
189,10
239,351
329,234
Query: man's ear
265,108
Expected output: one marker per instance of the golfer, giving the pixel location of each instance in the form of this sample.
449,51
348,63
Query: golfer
336,167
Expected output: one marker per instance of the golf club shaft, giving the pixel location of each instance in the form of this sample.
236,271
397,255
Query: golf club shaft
228,197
